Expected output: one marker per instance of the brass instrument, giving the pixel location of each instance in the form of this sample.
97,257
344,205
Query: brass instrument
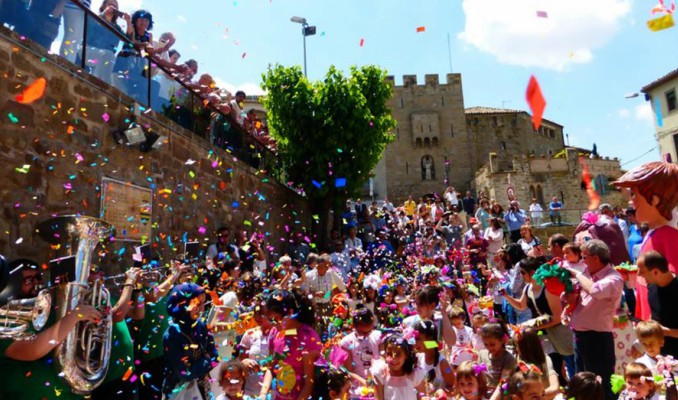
145,276
16,315
84,355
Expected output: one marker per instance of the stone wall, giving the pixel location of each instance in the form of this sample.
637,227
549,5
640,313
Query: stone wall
56,151
512,134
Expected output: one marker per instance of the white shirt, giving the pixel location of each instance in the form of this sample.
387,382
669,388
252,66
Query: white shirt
452,197
364,350
342,262
316,283
255,344
353,243
536,210
464,336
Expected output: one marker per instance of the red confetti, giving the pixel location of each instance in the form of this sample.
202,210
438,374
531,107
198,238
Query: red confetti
421,29
362,42
243,55
33,92
536,101
594,199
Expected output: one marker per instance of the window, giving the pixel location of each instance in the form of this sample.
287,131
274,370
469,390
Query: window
671,100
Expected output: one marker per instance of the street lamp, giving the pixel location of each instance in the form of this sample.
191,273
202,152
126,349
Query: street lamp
306,30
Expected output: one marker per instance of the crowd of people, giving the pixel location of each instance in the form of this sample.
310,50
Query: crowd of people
407,302
135,64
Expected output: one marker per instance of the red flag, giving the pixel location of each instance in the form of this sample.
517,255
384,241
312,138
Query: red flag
536,101
421,29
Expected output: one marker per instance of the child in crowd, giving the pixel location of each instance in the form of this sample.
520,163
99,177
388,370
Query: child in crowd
438,372
500,363
639,383
464,333
572,253
585,386
651,337
472,381
371,284
330,384
526,384
397,376
232,381
362,346
530,350
478,320
355,295
426,300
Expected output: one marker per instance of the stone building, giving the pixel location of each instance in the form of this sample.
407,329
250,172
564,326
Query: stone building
525,177
439,142
662,95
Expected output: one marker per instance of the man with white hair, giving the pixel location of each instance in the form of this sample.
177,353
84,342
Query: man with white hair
593,315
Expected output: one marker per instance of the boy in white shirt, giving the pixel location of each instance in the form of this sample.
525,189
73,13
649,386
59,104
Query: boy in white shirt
651,337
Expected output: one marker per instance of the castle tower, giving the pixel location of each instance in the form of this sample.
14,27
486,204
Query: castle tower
431,146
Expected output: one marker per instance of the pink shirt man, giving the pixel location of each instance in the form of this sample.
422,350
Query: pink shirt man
595,310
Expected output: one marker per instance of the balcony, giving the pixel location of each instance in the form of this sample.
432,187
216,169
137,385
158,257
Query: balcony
101,54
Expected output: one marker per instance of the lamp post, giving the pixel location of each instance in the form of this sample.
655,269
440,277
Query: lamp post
306,30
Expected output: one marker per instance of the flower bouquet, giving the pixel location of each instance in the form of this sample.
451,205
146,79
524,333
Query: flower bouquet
554,278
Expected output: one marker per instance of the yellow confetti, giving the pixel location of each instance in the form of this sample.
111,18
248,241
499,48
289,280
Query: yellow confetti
660,23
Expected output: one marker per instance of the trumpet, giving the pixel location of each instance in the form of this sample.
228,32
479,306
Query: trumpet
16,315
145,276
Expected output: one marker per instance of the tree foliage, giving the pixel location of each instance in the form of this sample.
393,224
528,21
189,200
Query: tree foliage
329,129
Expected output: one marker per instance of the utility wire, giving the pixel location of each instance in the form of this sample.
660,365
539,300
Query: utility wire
640,156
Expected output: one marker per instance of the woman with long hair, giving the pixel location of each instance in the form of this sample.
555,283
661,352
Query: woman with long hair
293,345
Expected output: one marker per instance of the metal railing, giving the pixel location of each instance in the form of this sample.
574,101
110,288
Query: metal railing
101,49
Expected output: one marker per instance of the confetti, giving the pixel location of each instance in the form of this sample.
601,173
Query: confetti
660,23
106,117
189,162
362,42
33,92
340,182
431,344
244,55
12,118
421,29
317,184
536,101
290,332
542,14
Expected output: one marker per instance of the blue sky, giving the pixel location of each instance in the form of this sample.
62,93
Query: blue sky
587,55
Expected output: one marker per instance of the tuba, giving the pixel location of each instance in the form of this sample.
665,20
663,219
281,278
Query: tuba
82,357
17,314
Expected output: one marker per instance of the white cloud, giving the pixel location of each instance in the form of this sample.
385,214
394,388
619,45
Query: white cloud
643,112
624,113
511,31
181,19
250,88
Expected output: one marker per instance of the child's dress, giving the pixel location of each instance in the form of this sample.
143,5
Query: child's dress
397,387
433,373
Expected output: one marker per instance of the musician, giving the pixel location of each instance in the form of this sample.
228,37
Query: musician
27,366
149,331
221,248
117,384
190,351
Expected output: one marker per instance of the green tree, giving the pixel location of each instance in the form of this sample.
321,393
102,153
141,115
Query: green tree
326,130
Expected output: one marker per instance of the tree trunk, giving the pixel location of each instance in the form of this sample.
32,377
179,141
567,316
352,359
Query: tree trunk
321,226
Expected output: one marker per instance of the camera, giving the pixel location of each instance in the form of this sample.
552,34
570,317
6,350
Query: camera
119,14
